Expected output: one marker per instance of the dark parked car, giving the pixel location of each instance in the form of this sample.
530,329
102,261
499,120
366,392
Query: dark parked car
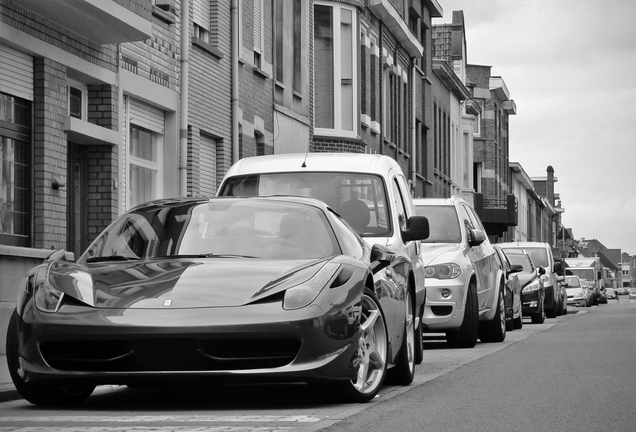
533,291
514,313
195,289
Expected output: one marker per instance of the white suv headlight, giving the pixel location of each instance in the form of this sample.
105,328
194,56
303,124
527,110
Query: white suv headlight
443,271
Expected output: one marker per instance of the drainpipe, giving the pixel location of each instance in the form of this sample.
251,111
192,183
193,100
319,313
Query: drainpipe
234,66
414,148
183,121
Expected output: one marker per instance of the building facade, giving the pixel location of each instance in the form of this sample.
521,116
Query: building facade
454,112
494,203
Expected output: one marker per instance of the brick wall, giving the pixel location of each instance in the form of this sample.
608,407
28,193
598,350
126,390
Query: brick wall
49,154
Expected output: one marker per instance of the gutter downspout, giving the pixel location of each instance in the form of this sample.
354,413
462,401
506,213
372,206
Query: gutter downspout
183,121
414,148
234,66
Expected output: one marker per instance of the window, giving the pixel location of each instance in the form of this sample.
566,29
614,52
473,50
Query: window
15,170
335,78
144,166
258,32
201,19
291,47
369,76
77,102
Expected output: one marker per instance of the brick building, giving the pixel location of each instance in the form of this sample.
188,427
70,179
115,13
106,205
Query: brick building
494,203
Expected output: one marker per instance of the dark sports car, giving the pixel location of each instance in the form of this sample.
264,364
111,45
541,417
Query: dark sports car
276,289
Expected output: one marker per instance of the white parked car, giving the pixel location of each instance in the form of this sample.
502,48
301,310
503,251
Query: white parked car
372,195
465,285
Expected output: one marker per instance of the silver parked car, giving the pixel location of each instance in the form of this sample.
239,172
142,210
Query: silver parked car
577,294
465,285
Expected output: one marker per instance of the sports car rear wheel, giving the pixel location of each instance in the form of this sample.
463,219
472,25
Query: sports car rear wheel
372,357
41,394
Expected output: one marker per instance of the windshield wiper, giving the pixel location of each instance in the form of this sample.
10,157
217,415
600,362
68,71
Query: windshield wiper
111,258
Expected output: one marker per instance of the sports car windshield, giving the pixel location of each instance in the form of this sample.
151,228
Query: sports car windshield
223,228
359,198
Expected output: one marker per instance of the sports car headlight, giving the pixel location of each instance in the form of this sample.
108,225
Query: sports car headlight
47,298
305,293
533,286
443,271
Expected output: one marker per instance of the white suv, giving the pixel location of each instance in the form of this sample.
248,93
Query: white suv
465,285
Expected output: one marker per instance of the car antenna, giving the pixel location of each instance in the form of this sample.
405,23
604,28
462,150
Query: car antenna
304,165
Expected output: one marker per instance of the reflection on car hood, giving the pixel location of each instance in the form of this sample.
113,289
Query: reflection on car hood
526,278
431,251
179,283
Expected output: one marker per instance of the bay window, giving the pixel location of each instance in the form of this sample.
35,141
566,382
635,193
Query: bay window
335,77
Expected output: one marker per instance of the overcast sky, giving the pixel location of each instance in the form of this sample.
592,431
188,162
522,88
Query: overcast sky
570,67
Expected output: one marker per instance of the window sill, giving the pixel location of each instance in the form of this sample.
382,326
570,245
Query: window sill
207,47
260,72
165,16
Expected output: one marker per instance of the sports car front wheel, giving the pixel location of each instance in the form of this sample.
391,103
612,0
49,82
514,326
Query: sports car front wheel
372,357
40,394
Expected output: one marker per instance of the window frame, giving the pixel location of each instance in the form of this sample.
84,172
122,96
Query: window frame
23,134
338,113
155,166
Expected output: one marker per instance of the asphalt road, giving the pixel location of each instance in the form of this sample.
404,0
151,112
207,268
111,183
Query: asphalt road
571,373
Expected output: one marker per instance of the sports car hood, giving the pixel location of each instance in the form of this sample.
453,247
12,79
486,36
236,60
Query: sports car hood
179,283
431,251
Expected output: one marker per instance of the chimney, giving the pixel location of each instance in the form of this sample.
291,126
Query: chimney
549,187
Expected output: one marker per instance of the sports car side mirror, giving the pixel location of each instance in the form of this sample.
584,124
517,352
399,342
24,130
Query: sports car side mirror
60,254
380,258
416,229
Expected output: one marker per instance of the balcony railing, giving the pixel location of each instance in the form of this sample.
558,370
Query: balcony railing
497,211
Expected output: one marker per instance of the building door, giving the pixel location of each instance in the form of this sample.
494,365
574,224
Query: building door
77,200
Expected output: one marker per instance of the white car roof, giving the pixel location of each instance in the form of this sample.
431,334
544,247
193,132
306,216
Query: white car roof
298,162
522,244
437,201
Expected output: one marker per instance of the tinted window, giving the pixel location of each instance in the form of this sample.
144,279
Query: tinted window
443,223
539,256
523,261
